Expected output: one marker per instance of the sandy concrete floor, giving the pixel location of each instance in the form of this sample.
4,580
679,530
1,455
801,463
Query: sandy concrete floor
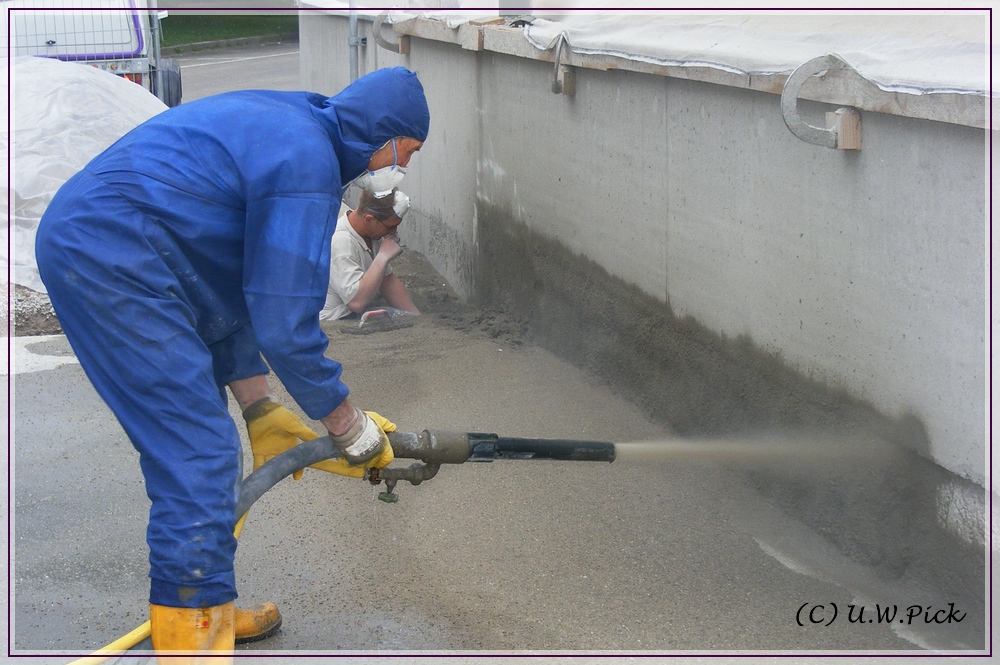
677,556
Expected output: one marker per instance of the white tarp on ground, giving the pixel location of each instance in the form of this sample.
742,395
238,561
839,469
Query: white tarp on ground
64,115
913,52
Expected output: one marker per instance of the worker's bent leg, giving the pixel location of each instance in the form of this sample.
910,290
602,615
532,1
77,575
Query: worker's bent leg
135,338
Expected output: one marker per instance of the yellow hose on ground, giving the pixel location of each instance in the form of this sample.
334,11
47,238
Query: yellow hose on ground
238,529
116,648
129,640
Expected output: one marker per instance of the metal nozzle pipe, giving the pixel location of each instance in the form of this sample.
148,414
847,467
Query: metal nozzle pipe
446,447
491,446
432,447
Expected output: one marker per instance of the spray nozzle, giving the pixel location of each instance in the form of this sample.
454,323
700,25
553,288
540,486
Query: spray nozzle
436,447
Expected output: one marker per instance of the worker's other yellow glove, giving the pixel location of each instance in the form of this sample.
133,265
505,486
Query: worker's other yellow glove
273,429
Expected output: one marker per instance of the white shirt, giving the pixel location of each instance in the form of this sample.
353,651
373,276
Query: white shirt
349,259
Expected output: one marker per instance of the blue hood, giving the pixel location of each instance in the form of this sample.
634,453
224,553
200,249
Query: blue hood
374,109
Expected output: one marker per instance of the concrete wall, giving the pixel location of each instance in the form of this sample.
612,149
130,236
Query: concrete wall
861,272
442,179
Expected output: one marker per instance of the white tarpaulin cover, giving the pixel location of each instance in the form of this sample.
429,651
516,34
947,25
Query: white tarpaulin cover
909,53
912,52
64,115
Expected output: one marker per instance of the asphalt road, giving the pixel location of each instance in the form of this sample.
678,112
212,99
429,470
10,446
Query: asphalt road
643,557
266,67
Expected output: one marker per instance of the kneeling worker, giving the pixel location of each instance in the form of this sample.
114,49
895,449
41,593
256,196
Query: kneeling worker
362,248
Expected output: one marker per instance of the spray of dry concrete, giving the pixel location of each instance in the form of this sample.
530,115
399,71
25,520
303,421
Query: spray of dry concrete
858,476
823,451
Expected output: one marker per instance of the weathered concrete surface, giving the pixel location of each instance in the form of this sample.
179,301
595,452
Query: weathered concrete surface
886,515
676,241
865,270
663,555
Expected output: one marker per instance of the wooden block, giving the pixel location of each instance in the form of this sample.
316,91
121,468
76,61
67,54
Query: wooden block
847,123
567,76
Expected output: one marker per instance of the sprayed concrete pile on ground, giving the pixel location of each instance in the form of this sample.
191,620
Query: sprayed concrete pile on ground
33,313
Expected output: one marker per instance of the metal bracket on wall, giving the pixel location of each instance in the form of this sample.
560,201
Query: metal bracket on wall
564,81
401,45
843,130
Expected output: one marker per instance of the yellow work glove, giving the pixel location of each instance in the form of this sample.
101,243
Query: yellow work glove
273,429
341,465
365,445
386,426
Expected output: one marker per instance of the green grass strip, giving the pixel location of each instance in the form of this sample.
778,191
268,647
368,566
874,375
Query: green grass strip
189,29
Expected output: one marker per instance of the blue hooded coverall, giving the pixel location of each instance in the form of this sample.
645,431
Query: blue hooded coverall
175,258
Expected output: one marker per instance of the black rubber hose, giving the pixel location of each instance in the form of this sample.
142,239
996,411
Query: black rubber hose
252,488
267,476
404,445
299,457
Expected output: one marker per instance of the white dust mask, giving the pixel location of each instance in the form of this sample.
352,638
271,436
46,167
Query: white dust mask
381,182
400,204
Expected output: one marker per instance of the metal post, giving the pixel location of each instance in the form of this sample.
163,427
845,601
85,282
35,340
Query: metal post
352,40
154,29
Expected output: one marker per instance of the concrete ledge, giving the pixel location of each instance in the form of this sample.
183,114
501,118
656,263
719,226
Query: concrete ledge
836,87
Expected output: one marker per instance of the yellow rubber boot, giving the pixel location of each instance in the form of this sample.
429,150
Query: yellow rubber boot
257,623
192,633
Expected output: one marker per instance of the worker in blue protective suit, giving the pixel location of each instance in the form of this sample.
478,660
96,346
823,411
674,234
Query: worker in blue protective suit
176,259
